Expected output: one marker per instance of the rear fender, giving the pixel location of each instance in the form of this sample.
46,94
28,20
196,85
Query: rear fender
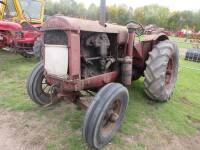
156,37
142,49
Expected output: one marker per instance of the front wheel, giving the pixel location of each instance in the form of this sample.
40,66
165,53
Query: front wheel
105,115
39,90
161,71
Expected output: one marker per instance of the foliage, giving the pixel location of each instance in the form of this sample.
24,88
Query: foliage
151,14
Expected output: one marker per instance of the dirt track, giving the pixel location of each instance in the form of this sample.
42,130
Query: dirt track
22,131
155,138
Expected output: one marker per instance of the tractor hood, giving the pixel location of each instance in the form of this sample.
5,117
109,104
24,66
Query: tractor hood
59,22
10,26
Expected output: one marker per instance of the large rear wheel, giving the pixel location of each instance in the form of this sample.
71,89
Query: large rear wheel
161,71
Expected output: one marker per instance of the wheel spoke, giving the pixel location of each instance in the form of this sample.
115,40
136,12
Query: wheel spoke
111,117
45,87
44,81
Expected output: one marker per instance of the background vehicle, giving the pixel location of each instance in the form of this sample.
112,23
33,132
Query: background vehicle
101,59
193,54
20,24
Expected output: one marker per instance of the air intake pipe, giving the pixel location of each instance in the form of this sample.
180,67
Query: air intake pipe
102,19
128,60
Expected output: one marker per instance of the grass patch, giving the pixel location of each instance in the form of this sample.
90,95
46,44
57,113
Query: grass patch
74,119
172,115
177,116
52,147
75,142
182,42
14,70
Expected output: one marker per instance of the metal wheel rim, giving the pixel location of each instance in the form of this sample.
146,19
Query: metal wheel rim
109,122
169,73
45,87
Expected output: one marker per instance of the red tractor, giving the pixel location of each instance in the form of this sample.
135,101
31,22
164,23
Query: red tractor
91,58
20,25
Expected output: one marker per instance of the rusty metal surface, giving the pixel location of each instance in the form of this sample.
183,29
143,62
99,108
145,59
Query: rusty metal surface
91,48
126,71
69,23
74,55
78,85
154,37
131,38
59,22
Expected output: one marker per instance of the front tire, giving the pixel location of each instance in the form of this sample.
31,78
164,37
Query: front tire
37,87
161,71
105,115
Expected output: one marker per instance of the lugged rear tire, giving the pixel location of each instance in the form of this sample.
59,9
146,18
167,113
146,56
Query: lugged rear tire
161,71
99,128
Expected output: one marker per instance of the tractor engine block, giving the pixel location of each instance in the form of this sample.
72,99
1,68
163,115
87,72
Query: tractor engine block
96,57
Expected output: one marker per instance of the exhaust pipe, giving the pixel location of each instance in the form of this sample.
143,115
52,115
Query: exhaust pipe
102,20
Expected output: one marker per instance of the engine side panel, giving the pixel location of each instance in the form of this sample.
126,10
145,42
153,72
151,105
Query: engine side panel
98,53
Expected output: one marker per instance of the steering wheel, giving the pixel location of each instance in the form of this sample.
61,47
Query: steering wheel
138,27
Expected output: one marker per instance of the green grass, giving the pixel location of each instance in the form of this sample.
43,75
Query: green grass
178,116
182,42
14,70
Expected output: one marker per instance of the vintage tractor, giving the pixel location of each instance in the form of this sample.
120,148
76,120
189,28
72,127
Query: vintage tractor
20,25
84,58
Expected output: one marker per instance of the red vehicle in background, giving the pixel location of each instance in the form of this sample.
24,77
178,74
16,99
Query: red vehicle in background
20,25
180,34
